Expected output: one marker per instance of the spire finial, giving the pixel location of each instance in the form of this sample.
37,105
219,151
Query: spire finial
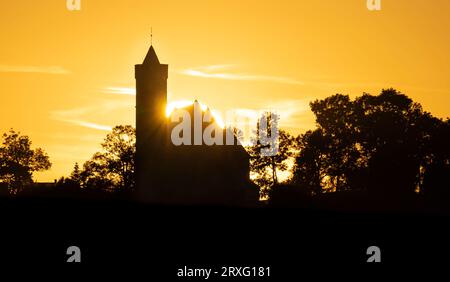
151,36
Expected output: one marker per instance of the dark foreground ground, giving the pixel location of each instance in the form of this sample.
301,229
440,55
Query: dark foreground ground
158,240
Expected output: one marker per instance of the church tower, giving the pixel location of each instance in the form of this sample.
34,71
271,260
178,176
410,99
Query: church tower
170,174
151,125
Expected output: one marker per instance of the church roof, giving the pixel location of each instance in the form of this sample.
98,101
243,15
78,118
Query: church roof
197,105
151,57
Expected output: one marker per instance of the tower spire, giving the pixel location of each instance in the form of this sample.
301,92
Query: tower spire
151,57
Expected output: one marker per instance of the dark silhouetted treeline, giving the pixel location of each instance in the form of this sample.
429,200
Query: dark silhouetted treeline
108,174
371,152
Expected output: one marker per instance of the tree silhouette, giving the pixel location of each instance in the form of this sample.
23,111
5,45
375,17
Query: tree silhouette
310,169
75,176
335,116
96,174
435,180
265,167
385,144
73,182
395,134
18,161
114,167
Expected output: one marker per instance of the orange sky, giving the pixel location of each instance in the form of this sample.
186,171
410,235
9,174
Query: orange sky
65,75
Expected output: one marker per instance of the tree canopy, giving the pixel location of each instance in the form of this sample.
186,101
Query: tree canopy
18,161
113,168
384,144
265,167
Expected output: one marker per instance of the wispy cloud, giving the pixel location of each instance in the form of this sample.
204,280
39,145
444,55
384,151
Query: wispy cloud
34,69
287,110
81,116
120,91
289,107
88,124
295,114
67,137
75,116
217,71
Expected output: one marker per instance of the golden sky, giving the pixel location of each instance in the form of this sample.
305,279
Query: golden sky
68,76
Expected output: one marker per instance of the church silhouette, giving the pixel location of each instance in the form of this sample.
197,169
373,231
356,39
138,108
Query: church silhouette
183,174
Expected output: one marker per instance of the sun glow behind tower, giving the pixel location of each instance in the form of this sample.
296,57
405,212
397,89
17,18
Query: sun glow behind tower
185,103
